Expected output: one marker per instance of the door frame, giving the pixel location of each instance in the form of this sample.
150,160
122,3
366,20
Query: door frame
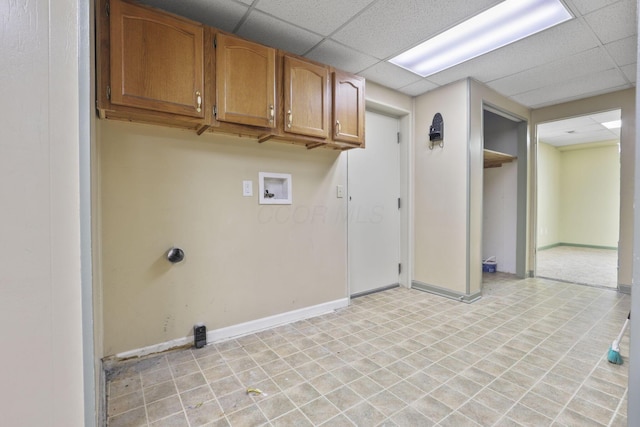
533,268
522,162
405,119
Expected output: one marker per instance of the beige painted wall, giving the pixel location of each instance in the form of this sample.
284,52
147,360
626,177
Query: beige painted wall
448,192
549,185
590,196
440,190
40,292
624,100
382,96
244,261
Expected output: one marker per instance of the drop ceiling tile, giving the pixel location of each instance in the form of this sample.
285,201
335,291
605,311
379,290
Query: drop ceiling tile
390,26
272,32
418,88
547,46
623,14
322,17
556,72
342,57
587,6
221,14
561,127
606,116
580,138
592,84
624,51
389,75
630,71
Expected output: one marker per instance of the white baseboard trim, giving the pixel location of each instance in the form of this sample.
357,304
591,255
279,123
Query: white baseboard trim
246,328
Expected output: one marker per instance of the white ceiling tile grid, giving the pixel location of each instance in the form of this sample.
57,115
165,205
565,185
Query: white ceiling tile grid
272,32
593,53
223,14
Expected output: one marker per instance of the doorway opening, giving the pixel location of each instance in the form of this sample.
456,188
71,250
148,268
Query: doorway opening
578,199
504,200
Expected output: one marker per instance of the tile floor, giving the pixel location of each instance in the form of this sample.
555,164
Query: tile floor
589,266
530,353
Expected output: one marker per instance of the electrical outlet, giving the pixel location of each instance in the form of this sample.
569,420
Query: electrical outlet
247,188
339,191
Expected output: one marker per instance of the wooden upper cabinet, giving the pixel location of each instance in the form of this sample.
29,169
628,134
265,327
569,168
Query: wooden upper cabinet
245,82
156,60
306,98
348,108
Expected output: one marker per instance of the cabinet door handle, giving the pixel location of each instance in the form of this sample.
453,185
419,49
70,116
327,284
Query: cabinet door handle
271,113
198,101
290,119
337,127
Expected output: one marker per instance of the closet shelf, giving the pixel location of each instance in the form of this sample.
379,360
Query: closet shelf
495,159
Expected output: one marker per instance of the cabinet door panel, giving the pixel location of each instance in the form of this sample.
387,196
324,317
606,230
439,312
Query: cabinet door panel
306,98
245,82
156,61
348,108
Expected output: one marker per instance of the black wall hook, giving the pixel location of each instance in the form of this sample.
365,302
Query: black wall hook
436,131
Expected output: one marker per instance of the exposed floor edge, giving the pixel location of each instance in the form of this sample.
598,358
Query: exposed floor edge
373,291
241,329
581,284
437,290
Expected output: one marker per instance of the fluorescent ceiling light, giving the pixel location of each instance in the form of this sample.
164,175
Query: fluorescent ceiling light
505,23
613,125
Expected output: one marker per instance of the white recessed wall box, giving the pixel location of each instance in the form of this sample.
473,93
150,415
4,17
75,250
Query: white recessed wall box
275,188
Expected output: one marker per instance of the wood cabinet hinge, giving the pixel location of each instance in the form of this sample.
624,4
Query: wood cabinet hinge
215,111
399,268
215,42
398,202
107,8
108,92
398,137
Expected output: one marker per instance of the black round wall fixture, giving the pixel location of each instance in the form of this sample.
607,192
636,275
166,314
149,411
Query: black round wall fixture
175,255
436,131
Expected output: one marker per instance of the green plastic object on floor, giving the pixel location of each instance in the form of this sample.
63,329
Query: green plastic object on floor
614,350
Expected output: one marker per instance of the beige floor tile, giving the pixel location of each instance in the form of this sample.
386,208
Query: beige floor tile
292,419
344,398
319,410
249,416
387,403
365,414
522,355
134,418
528,417
175,420
125,403
590,410
275,406
163,408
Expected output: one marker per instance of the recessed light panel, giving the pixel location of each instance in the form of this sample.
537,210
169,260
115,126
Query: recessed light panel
613,125
505,23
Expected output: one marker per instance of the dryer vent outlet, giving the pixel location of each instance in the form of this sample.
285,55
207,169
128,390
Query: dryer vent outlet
200,336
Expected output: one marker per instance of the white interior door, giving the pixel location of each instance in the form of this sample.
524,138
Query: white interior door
374,217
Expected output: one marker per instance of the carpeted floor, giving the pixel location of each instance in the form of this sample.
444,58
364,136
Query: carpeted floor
587,266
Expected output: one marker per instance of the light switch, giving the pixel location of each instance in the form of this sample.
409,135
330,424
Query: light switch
247,188
340,191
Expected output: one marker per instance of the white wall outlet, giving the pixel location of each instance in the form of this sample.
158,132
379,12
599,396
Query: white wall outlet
340,191
247,188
